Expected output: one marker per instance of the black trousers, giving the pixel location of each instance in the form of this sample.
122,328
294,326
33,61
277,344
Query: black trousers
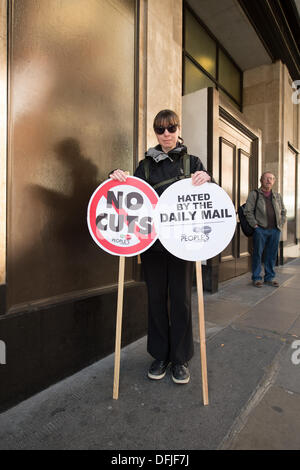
169,283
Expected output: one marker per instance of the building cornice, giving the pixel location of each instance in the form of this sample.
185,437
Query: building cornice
277,24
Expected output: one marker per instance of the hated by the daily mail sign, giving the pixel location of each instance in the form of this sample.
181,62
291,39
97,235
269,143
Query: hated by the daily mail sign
195,222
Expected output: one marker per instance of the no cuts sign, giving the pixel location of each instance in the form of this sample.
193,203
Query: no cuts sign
195,222
121,216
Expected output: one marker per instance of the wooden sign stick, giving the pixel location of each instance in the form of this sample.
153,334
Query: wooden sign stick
202,332
119,327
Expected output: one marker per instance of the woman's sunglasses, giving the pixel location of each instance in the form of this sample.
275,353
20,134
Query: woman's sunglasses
160,130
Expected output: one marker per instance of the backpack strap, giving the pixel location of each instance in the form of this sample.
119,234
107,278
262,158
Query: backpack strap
257,194
186,165
147,169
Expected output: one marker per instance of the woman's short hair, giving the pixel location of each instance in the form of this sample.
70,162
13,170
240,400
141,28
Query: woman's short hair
166,116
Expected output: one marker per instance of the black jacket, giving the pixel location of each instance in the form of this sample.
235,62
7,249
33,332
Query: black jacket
168,168
164,170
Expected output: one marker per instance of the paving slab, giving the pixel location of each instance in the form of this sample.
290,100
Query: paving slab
295,328
294,282
242,291
291,268
222,311
288,375
277,313
273,425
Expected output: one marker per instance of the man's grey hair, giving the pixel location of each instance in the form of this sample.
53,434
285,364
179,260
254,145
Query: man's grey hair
265,172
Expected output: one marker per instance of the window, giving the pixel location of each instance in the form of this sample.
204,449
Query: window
195,79
229,76
206,63
200,45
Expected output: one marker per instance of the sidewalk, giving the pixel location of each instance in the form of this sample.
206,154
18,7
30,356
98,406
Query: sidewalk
254,386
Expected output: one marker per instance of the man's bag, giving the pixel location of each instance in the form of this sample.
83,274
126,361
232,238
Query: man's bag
246,228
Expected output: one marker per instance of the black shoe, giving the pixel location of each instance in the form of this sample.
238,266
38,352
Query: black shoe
180,373
158,369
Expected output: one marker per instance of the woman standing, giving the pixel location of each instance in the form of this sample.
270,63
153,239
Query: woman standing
168,278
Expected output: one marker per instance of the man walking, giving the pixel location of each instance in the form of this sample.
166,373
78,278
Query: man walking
266,213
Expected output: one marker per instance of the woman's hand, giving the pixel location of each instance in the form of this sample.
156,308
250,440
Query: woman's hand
119,175
200,177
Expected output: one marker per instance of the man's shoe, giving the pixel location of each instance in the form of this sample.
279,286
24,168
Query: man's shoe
272,283
158,369
258,283
180,373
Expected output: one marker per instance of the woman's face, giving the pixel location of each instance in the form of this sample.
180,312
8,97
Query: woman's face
167,140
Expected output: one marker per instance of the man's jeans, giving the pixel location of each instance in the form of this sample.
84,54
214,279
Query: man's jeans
268,240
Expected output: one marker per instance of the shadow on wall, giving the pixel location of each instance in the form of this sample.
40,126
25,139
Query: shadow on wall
62,258
66,213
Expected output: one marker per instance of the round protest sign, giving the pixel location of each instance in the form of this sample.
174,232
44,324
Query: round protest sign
195,222
121,216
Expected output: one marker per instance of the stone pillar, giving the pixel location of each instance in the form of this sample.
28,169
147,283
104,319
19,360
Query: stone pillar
268,103
262,106
164,60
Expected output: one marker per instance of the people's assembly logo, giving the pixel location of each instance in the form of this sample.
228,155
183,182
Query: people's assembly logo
124,240
201,235
121,216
